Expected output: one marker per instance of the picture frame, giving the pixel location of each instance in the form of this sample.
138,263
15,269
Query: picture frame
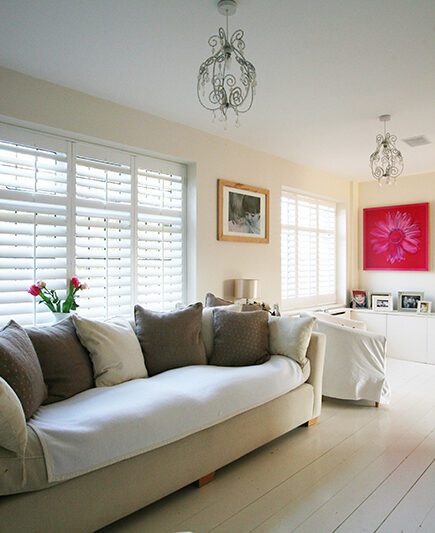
424,306
360,299
382,302
396,237
382,294
243,212
408,300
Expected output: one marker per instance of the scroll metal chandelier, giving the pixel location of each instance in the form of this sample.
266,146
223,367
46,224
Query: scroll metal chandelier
386,162
226,80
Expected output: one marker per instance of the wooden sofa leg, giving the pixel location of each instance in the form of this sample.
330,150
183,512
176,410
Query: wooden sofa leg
205,479
311,422
377,404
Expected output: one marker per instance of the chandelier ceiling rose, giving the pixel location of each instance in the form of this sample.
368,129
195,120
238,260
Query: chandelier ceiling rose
226,79
386,162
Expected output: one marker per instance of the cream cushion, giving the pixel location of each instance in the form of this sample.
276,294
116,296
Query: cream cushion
13,429
207,328
114,349
290,336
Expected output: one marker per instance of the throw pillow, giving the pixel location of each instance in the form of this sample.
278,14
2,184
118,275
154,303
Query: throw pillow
240,338
290,336
207,330
170,340
13,429
114,349
65,362
213,301
19,366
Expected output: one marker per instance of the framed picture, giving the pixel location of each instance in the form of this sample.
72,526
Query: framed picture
424,306
381,294
382,302
396,237
408,301
243,212
360,299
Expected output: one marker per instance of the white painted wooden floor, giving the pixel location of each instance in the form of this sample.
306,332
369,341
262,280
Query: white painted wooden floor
359,469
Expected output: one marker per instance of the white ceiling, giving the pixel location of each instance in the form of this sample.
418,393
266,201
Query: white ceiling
326,69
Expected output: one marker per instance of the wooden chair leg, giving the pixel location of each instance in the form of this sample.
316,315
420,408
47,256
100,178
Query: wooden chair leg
205,479
377,404
311,422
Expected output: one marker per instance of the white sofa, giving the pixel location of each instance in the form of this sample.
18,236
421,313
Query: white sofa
182,425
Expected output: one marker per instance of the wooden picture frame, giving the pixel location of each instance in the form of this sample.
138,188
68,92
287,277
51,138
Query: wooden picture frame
243,212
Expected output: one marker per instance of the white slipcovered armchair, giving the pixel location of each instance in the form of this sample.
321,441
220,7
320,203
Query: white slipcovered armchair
355,362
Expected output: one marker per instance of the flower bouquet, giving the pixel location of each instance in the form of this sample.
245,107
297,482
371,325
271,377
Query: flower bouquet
50,298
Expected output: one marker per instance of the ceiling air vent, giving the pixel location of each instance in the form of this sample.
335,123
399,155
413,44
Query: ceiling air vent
420,140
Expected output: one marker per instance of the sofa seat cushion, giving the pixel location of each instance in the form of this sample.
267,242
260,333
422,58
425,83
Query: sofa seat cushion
102,426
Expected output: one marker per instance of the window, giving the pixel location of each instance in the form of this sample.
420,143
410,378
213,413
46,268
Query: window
112,217
308,250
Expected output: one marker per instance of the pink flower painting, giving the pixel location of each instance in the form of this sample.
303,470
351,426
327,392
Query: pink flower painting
396,237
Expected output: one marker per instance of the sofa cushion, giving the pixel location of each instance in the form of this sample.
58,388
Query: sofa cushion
170,340
290,336
13,430
114,349
207,325
214,301
65,362
240,338
19,366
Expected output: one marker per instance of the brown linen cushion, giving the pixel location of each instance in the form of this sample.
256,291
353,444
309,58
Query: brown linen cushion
240,339
213,301
170,340
19,366
65,362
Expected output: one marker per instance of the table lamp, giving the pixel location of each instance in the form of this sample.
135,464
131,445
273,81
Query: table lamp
245,288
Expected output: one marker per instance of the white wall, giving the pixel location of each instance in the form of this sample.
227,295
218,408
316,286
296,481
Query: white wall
408,190
210,157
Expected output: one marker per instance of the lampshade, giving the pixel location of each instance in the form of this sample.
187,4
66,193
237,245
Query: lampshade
245,288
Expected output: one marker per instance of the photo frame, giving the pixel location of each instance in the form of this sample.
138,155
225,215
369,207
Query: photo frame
382,302
396,237
380,294
360,299
408,300
243,212
424,306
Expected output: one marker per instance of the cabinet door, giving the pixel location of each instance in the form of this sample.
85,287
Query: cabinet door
376,322
407,337
431,340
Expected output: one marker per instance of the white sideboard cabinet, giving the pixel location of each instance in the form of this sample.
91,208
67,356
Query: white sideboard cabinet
410,335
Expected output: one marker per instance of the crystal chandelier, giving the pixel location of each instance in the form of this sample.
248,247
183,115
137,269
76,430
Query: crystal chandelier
226,80
386,161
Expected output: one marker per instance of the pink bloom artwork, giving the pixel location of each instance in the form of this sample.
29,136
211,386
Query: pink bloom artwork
396,237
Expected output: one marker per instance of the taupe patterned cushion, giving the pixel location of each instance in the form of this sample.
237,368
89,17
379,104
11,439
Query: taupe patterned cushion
213,301
19,366
241,339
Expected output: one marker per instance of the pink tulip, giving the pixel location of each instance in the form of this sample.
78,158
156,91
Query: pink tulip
84,286
41,284
75,282
34,290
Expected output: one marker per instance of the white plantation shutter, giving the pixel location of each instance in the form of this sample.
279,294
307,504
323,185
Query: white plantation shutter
33,181
160,253
308,250
114,218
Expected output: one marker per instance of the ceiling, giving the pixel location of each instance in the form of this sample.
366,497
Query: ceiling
326,69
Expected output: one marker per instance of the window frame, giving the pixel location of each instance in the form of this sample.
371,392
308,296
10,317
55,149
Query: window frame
39,136
304,302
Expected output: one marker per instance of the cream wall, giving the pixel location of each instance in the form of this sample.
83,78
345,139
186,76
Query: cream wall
210,157
408,190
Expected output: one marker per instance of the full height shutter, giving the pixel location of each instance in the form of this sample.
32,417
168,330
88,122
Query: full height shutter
308,250
160,269
33,189
103,231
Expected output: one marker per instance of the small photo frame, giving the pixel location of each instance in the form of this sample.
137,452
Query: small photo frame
360,299
243,213
408,300
382,302
424,306
382,294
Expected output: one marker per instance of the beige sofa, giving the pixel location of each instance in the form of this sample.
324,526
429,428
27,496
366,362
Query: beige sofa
98,498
